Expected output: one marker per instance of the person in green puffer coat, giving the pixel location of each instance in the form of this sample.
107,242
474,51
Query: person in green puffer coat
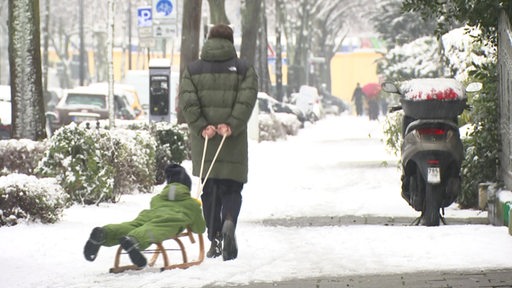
217,96
170,212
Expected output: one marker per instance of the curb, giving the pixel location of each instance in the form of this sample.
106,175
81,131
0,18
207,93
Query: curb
498,203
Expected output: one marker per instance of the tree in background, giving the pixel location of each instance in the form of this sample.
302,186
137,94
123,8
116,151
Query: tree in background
475,13
190,33
28,120
250,22
398,27
254,40
218,12
331,23
314,29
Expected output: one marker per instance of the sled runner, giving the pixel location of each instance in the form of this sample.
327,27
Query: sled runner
160,249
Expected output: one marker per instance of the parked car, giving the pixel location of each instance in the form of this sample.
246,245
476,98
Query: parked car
309,101
129,92
333,104
86,104
280,113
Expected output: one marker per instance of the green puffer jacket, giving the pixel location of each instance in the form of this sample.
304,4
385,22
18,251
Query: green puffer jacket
219,88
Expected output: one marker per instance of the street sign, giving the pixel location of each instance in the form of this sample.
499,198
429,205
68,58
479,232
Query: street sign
165,10
164,29
145,32
144,16
145,29
164,18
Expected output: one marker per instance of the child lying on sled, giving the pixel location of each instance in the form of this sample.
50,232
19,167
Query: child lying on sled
171,211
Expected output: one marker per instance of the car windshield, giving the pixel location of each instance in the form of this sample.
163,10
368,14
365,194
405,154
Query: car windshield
87,99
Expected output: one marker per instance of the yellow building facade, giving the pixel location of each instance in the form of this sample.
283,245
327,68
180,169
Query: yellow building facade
348,69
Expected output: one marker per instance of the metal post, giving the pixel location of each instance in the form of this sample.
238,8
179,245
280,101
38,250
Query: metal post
129,35
110,47
82,45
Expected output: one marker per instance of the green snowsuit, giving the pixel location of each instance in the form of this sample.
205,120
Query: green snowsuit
172,210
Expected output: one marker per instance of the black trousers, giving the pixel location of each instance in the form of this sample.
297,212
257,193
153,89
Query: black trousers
222,199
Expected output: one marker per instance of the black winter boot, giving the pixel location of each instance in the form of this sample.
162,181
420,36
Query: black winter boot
92,246
230,249
215,247
131,246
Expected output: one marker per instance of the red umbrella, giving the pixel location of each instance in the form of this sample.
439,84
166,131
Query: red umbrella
371,90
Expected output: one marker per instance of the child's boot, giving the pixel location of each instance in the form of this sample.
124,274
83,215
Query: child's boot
131,246
92,246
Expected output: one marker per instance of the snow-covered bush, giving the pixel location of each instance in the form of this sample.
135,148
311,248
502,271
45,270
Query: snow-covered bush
82,160
393,131
482,142
26,197
290,123
173,146
270,129
95,165
135,160
20,156
419,58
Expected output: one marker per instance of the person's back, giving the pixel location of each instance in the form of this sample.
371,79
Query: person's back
217,96
357,97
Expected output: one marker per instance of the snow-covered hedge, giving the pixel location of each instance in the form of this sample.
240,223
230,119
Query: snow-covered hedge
276,126
98,165
20,156
29,198
290,123
83,161
270,128
421,58
172,144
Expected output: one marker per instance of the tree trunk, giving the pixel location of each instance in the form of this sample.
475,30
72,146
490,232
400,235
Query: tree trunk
250,24
262,63
191,27
279,60
218,12
46,31
28,119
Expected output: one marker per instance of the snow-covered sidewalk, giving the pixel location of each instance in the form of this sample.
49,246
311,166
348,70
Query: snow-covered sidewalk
338,166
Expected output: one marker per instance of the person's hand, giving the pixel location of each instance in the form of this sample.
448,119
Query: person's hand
224,130
209,131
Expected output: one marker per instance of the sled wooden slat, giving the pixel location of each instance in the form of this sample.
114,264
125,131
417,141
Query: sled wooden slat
161,250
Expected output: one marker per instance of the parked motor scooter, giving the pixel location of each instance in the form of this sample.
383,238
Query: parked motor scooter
432,151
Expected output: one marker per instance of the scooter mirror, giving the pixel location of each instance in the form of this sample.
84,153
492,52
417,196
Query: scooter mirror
389,87
474,87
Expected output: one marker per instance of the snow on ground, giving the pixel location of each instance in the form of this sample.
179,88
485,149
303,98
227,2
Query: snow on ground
337,166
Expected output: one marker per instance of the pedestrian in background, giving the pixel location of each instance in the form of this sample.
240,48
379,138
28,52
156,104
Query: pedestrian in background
357,97
217,95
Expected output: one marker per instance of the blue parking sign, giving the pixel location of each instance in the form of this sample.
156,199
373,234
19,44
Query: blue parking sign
144,16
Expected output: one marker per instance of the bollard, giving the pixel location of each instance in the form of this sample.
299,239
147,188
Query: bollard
506,213
491,205
482,195
510,224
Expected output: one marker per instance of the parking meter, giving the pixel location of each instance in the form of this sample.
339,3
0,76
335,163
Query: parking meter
159,90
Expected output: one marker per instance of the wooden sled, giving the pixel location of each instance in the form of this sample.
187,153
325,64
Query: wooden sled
160,249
